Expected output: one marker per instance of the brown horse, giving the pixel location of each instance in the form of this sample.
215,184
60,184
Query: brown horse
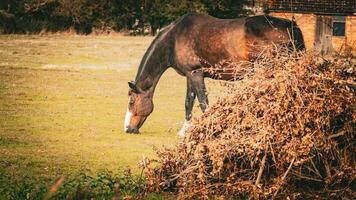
194,40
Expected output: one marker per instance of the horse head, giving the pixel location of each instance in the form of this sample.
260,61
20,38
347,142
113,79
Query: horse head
139,108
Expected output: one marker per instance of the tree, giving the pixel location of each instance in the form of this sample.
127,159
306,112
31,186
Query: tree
159,13
7,22
153,13
118,15
176,9
225,8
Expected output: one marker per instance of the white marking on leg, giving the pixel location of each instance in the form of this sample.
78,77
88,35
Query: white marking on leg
184,129
127,119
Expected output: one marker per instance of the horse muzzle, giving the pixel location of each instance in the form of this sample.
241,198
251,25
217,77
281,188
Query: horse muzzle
132,130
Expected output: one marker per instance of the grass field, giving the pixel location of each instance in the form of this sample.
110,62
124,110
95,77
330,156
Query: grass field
62,105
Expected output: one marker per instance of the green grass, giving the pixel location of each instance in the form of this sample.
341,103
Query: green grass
63,100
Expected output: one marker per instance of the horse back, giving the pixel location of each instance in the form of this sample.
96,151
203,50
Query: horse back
202,39
264,30
205,40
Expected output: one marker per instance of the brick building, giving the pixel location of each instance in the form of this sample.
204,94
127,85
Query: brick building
327,25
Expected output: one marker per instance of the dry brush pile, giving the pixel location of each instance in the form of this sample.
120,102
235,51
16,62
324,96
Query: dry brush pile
286,130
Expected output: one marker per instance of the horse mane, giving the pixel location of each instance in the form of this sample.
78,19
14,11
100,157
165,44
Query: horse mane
161,36
158,39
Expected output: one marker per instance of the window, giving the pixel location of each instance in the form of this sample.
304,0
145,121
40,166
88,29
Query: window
339,26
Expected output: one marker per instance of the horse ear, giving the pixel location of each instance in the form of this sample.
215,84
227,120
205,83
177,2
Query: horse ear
134,87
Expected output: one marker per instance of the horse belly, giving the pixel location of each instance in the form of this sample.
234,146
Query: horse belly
216,46
229,71
235,44
229,54
185,56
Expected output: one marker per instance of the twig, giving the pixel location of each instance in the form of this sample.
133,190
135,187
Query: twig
144,165
175,177
336,135
260,171
284,177
292,41
315,168
273,157
306,177
54,188
327,169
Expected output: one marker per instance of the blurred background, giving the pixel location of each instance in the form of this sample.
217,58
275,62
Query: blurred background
132,16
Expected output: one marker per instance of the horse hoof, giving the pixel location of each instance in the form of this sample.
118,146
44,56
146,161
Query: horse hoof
181,133
184,129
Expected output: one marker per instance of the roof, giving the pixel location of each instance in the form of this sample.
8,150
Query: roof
332,7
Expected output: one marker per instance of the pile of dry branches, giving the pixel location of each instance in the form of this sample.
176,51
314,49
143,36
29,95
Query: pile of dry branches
286,130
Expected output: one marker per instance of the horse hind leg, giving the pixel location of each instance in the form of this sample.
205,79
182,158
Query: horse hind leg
198,85
189,102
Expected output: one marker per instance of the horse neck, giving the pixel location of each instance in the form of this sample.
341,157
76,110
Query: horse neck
148,82
156,60
152,66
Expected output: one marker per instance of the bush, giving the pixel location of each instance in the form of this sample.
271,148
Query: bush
82,185
287,130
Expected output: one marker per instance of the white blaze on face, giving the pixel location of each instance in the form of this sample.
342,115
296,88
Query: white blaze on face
127,119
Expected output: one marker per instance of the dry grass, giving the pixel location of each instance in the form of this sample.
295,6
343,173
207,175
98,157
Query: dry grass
56,121
287,130
63,100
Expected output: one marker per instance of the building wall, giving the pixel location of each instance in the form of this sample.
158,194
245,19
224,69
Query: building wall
349,41
351,32
339,44
306,22
333,7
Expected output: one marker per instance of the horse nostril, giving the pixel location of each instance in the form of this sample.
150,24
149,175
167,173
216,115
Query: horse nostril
128,130
134,130
131,130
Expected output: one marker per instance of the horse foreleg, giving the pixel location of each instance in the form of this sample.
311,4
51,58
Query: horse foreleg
195,87
199,88
189,102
